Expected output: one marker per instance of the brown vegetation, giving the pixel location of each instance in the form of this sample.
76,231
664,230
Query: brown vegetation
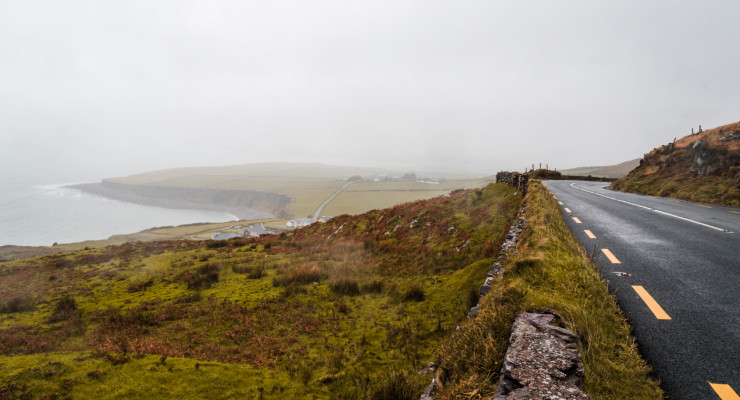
703,167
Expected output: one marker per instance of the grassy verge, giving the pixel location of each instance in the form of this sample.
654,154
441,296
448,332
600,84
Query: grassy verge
551,269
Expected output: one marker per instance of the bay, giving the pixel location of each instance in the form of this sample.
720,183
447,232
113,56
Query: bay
40,215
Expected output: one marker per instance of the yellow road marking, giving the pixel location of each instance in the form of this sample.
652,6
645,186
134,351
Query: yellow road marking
611,257
578,221
567,210
736,212
651,303
589,234
701,205
724,392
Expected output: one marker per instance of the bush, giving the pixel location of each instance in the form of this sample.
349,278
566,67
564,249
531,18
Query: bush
345,286
299,276
215,244
414,293
252,271
63,309
17,304
203,278
375,286
137,287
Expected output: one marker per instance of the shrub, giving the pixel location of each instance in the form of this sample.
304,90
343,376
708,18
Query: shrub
137,287
414,293
252,271
345,286
375,286
203,278
302,275
215,244
17,304
65,308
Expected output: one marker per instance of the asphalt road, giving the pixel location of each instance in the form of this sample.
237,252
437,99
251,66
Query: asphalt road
686,257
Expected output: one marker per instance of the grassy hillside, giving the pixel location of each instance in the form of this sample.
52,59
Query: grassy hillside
551,269
346,309
609,171
704,167
307,185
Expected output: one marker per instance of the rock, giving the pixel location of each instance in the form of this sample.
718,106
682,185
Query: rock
485,287
542,361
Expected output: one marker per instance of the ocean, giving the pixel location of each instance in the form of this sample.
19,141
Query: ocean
40,215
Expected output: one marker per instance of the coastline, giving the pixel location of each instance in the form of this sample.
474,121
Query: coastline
242,204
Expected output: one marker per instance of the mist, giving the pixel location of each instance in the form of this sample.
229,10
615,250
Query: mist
92,89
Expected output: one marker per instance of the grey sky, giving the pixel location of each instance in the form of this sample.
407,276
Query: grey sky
99,88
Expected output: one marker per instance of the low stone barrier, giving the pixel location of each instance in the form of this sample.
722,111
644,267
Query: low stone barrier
515,179
542,361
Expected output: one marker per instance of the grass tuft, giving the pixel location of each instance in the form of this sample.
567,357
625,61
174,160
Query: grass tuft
345,286
414,293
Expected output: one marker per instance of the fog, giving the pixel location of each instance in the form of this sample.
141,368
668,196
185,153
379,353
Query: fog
90,89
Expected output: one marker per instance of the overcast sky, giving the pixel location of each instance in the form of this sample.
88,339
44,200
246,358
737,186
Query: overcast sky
90,89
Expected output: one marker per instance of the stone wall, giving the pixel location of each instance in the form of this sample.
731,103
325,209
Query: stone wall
542,361
514,179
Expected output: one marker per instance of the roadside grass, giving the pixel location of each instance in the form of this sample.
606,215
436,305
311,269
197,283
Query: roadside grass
203,302
552,270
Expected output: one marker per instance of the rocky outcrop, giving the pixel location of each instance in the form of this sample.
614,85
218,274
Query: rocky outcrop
542,361
702,167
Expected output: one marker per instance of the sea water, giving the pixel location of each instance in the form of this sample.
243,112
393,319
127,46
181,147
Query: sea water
40,215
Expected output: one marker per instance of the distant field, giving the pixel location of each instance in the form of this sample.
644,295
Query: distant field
366,196
308,185
609,171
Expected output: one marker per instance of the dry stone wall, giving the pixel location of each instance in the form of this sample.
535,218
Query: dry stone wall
542,361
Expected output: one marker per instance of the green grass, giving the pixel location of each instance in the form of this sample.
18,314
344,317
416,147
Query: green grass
365,196
551,269
708,189
87,375
200,302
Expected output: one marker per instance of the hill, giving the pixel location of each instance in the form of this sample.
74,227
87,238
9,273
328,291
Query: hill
284,190
609,171
702,167
340,309
347,309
